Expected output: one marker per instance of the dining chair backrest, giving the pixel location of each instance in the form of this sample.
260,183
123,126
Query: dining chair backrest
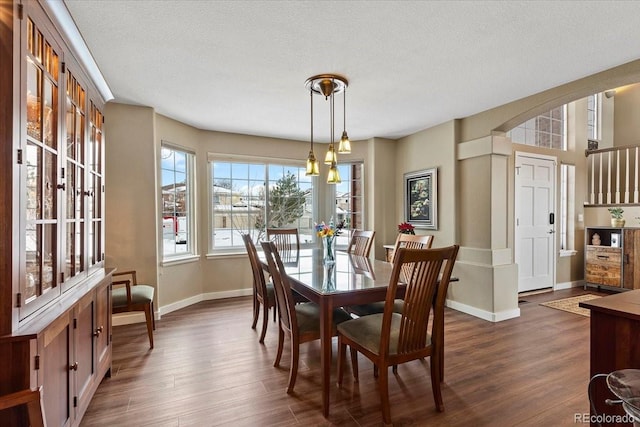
259,283
361,242
284,295
411,241
287,241
426,288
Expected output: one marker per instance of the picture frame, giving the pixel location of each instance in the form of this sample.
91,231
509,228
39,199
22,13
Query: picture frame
421,198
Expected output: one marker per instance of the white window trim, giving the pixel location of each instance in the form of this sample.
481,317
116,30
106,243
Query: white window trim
192,254
240,251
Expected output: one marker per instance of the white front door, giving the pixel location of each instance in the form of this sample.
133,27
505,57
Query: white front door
535,184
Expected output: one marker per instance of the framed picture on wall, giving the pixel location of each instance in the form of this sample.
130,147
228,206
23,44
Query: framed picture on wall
421,198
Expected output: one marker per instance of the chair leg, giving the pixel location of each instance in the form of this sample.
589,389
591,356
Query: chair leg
293,370
395,369
435,383
342,348
383,383
265,320
153,316
280,345
375,371
274,312
148,314
256,312
354,364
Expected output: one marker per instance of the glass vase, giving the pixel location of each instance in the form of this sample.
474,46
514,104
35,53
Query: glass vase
329,249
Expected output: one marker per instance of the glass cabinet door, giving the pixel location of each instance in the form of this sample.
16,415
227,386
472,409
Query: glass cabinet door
40,179
74,237
95,193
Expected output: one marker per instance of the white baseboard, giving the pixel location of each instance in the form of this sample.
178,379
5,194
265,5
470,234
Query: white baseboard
129,318
483,314
568,285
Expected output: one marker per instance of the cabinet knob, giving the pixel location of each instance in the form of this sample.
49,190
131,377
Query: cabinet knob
98,331
74,367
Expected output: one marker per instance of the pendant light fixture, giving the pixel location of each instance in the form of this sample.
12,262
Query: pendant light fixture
328,85
313,168
345,144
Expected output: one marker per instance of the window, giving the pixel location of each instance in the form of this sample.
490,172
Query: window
567,208
249,196
594,117
178,231
349,200
546,130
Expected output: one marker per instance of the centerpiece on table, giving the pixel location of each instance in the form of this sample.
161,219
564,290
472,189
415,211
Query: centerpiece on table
328,233
406,228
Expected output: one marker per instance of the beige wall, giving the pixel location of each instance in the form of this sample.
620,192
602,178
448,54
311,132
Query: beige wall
475,194
626,123
434,147
130,192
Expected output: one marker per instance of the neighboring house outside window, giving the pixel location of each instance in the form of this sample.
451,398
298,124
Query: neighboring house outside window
177,168
349,200
249,196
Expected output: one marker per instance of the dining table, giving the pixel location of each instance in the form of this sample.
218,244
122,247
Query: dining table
349,280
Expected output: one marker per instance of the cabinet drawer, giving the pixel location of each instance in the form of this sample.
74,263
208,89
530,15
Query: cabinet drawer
605,256
604,266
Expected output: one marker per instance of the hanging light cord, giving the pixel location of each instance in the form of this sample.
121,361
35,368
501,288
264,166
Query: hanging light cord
344,110
311,94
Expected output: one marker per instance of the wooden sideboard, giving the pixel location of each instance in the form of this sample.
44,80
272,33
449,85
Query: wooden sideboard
610,257
615,328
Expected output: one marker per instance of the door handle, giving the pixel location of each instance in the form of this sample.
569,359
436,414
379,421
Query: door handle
551,231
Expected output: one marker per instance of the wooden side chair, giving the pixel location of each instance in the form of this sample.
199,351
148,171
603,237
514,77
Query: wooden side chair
299,322
391,338
133,297
408,241
361,242
32,399
263,293
287,240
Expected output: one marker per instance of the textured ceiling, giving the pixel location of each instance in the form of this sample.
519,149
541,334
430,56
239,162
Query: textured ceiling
240,66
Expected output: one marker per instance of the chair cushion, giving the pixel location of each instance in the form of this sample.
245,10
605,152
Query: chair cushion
308,315
367,331
374,307
140,294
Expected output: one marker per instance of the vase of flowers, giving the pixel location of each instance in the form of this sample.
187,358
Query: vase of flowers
328,233
406,228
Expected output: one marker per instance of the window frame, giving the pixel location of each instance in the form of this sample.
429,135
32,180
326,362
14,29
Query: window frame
535,131
567,209
343,240
191,235
212,158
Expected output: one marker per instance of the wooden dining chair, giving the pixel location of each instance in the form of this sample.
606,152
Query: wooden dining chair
32,400
287,240
391,338
127,295
408,241
299,322
263,293
361,242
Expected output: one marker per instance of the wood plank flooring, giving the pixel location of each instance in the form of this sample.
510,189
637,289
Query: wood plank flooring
208,369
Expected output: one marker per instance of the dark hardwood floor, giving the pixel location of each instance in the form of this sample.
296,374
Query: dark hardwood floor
208,369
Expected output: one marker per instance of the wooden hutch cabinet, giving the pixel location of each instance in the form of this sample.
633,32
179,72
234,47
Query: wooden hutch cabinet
55,298
611,257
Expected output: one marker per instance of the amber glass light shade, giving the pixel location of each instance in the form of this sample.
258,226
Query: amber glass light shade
313,169
345,144
333,177
331,156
